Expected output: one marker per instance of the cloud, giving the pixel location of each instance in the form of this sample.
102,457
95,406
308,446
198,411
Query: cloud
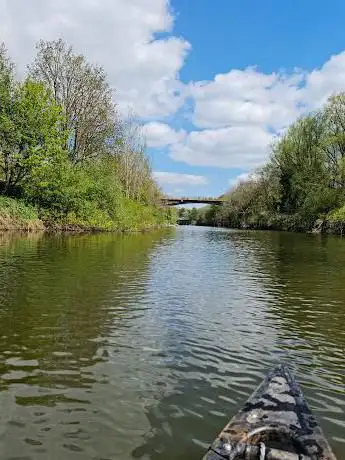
169,178
234,182
160,134
119,34
231,147
322,83
239,112
247,97
235,114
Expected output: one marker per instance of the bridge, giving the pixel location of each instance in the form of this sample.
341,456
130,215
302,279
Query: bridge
172,201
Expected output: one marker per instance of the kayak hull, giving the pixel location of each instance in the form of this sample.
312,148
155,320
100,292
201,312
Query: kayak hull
275,423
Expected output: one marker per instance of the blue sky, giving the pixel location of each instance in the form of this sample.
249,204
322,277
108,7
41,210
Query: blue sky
213,82
272,36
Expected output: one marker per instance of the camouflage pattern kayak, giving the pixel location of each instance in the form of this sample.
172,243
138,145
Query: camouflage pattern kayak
275,424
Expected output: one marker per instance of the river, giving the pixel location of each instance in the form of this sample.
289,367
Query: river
143,346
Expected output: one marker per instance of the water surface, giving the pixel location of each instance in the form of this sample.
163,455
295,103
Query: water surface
143,346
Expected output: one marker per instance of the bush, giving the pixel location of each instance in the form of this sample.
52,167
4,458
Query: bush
16,214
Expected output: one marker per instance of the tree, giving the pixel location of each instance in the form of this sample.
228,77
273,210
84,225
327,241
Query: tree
63,149
81,191
193,215
6,79
299,159
82,91
334,142
134,168
31,133
182,212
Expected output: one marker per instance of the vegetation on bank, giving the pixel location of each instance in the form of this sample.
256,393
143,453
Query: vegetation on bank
66,156
302,183
189,215
17,215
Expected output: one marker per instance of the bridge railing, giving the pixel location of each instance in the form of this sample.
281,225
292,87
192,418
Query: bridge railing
193,198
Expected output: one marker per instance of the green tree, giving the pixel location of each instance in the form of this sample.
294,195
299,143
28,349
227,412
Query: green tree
31,134
334,141
300,161
63,149
193,215
83,92
182,212
68,190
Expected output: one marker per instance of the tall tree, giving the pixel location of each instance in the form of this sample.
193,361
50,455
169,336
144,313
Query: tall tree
84,94
6,78
334,145
31,133
134,167
7,130
300,160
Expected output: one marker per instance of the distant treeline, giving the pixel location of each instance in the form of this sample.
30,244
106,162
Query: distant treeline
303,181
65,151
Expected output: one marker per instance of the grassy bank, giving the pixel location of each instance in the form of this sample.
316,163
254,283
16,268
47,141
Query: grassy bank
17,215
330,223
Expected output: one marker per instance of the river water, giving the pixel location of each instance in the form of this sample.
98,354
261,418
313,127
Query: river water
143,346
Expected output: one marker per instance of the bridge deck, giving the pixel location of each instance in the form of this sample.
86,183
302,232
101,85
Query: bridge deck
172,201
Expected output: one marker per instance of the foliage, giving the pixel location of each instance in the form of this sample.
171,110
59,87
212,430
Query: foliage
190,215
337,215
82,90
17,214
64,151
304,179
207,215
30,133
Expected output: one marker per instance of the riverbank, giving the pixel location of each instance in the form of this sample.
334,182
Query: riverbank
331,223
320,226
16,214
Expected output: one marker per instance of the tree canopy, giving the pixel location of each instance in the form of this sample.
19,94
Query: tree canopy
64,147
304,179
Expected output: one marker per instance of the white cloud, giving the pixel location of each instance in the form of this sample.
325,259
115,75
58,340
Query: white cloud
119,34
323,82
170,178
247,97
231,147
238,111
160,134
234,182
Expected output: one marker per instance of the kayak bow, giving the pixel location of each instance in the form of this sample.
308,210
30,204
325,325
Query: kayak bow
275,424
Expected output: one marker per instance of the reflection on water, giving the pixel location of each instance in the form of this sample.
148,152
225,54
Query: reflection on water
142,346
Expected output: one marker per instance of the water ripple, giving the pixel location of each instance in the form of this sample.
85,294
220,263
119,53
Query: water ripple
143,346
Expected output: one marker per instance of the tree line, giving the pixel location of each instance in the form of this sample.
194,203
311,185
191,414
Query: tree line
302,182
64,148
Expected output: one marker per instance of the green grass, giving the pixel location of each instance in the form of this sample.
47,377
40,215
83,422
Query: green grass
337,215
127,216
17,215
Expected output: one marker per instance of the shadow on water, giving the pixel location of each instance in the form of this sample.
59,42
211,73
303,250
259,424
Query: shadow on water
178,427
